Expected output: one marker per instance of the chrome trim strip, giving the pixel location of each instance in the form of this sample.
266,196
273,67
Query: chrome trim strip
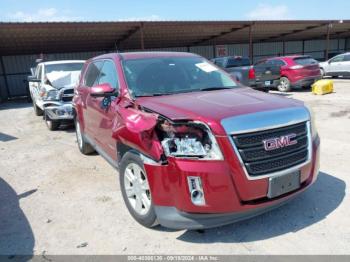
264,120
282,172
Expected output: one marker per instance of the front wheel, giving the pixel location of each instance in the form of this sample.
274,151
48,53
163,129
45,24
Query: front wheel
51,124
135,190
284,85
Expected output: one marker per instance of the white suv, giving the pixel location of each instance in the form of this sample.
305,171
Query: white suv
336,66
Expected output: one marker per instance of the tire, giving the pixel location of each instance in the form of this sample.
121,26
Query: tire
138,200
284,85
84,147
37,110
323,73
51,124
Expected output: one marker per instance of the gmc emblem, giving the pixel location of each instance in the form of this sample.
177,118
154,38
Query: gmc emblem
279,142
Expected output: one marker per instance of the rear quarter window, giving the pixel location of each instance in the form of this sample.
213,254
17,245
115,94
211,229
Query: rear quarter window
305,61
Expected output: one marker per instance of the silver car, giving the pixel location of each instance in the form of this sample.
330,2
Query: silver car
336,66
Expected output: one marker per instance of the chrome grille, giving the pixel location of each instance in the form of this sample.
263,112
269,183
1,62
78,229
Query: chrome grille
67,94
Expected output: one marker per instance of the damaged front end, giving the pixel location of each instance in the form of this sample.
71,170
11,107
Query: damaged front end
188,139
158,137
58,103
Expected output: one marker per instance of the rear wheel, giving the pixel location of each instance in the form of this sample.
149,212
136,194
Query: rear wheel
284,85
135,190
51,124
84,147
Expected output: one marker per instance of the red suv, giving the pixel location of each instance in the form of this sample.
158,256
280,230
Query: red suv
194,149
296,71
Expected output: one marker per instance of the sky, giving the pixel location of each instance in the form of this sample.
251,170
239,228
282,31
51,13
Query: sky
164,10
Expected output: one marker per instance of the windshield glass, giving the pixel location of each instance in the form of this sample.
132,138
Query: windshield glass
164,76
63,67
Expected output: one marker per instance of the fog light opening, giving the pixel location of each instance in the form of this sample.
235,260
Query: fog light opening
196,190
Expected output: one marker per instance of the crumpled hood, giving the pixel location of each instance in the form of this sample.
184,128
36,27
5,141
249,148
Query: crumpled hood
213,106
61,79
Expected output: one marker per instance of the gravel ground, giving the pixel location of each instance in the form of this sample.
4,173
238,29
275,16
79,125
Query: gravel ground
54,200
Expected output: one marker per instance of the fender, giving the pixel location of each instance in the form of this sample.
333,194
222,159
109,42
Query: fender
136,129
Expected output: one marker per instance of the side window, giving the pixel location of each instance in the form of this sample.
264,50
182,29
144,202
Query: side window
270,62
109,74
219,62
278,62
339,58
347,58
92,73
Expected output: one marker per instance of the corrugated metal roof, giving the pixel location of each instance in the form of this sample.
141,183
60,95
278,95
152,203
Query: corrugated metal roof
55,37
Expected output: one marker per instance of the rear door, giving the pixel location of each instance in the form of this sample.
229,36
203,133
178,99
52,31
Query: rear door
266,71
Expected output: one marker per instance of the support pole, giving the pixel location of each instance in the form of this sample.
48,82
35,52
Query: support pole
327,41
284,48
6,96
303,48
251,50
142,37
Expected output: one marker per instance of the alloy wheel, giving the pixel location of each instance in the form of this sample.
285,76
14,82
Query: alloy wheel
137,189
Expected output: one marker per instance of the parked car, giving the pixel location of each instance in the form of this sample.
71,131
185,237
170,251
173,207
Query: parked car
336,66
193,148
296,71
261,76
51,88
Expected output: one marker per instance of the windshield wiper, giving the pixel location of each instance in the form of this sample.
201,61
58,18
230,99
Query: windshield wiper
216,88
155,94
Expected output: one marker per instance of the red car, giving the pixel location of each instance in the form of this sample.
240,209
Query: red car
194,149
296,71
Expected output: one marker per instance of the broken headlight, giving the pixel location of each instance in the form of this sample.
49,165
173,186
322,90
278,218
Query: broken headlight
188,140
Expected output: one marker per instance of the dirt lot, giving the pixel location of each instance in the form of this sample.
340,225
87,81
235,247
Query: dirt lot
54,200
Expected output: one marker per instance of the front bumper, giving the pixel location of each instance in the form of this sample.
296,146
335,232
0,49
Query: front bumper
59,110
229,196
172,218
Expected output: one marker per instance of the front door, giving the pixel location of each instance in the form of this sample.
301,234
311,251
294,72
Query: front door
102,111
35,87
335,65
88,102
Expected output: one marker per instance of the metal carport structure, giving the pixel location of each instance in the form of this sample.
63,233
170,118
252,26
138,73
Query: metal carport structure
22,41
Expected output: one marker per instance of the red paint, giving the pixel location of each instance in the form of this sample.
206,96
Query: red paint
226,186
297,73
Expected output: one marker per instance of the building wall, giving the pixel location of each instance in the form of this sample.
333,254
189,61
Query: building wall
18,67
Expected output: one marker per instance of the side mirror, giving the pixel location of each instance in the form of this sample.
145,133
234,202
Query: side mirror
103,90
33,79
